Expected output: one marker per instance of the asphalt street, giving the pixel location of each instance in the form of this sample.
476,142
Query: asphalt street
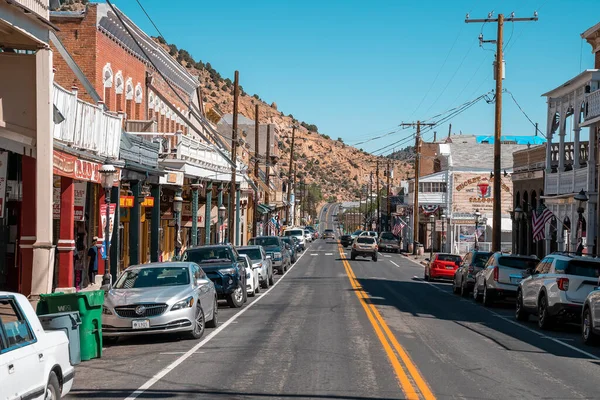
332,328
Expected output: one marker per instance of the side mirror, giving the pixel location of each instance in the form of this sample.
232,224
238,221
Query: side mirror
202,281
268,256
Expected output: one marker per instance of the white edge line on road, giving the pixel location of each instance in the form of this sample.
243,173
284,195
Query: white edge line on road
161,374
540,334
414,262
395,264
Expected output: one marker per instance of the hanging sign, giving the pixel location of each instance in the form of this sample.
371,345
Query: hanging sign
148,202
126,201
79,203
56,198
103,221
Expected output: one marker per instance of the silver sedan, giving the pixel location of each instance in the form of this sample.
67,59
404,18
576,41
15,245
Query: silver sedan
160,298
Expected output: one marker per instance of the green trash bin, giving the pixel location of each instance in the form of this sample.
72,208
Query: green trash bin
89,304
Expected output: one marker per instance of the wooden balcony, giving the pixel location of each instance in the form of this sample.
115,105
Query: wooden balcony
569,154
86,126
592,107
39,7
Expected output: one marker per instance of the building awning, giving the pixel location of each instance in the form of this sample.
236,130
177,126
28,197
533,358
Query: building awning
263,209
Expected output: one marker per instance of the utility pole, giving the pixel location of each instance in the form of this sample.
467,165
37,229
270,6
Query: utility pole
418,124
369,212
499,76
256,177
389,199
232,186
449,130
378,203
289,188
268,167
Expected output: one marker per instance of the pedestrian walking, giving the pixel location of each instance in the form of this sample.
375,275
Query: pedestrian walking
579,250
93,260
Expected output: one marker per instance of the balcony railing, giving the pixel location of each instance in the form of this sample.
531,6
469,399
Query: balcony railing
39,7
592,105
568,182
569,154
86,126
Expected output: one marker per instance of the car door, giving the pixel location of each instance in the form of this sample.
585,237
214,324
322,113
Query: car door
531,286
463,270
203,290
22,363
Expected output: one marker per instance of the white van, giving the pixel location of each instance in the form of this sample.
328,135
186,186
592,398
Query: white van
298,233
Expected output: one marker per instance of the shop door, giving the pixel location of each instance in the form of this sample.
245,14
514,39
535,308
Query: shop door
9,248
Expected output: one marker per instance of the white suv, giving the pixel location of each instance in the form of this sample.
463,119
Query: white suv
557,288
501,276
297,233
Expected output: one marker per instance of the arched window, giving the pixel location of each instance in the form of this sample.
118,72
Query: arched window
119,83
129,89
139,93
107,81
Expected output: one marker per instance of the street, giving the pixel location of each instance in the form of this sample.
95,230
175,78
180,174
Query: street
335,329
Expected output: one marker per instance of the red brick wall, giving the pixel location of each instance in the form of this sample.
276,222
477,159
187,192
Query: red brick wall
79,37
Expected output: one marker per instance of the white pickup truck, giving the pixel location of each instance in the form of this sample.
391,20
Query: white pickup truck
34,364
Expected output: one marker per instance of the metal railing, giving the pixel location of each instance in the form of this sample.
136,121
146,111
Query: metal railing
592,102
86,126
39,7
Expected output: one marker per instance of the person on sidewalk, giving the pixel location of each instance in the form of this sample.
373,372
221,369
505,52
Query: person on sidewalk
93,260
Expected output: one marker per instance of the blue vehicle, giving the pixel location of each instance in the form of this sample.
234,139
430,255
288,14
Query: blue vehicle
223,266
291,247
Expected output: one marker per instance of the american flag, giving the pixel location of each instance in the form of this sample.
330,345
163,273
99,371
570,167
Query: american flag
272,227
539,220
398,227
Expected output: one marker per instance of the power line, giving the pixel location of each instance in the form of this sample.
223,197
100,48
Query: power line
525,114
152,22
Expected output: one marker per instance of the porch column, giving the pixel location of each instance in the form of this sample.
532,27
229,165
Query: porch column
591,164
561,134
66,238
219,204
207,210
195,213
28,222
115,242
590,227
100,234
134,224
549,135
576,145
43,249
237,215
155,226
548,237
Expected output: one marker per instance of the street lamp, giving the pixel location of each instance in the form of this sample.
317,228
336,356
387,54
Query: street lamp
432,221
108,175
222,212
518,214
408,233
177,206
443,217
477,215
581,199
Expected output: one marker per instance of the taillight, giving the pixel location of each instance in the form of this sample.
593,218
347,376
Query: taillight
496,273
563,284
354,246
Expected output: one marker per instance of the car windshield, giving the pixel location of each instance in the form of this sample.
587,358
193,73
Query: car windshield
365,239
295,232
480,259
448,257
207,255
254,254
389,236
588,269
517,262
357,232
153,277
264,241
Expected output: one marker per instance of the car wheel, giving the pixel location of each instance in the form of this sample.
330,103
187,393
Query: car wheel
464,290
476,295
199,323
375,257
587,332
544,319
235,299
454,287
520,312
487,296
265,284
53,388
245,290
251,293
257,290
214,322
271,280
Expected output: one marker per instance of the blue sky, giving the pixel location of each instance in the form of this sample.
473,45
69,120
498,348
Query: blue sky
358,69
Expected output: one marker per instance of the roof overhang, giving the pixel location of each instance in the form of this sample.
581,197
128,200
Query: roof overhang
573,83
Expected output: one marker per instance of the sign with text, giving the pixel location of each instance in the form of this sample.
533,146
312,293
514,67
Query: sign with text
126,201
70,166
103,221
79,203
474,191
148,202
56,198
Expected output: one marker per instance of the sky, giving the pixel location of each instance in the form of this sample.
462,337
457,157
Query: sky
359,69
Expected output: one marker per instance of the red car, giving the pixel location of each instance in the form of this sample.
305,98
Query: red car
442,266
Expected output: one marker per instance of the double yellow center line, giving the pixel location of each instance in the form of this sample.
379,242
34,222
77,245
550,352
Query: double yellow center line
406,371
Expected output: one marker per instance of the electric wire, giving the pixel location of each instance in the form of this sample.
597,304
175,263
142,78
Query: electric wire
524,113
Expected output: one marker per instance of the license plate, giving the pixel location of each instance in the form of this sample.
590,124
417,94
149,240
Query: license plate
515,280
449,267
140,324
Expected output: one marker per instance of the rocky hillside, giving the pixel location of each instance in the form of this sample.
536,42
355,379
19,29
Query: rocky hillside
337,168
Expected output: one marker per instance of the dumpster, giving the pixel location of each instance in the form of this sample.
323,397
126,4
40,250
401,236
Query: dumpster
89,304
67,322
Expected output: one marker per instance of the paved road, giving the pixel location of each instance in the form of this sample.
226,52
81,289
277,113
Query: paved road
338,329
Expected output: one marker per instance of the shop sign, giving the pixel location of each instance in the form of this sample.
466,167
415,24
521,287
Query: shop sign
126,201
79,203
172,178
72,167
103,221
148,202
56,198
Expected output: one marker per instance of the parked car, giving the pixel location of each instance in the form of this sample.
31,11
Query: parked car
34,364
557,289
500,277
464,277
346,240
308,236
252,284
441,266
291,245
275,248
369,233
328,234
298,233
222,266
356,234
590,318
364,246
173,297
313,231
297,244
260,263
389,242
